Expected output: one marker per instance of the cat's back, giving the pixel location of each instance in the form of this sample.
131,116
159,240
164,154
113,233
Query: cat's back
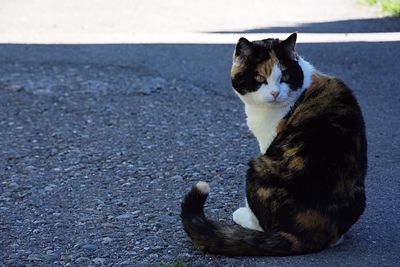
322,139
327,110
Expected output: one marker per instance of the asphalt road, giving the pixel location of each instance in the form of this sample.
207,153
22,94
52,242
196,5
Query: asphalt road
99,143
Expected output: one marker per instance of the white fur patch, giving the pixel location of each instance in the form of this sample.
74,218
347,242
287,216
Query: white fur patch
203,187
262,121
264,111
246,218
308,71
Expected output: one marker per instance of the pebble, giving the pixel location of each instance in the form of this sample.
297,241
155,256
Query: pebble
52,257
50,187
125,263
65,257
153,255
99,261
30,168
107,225
124,216
89,246
136,212
177,177
106,240
34,257
81,260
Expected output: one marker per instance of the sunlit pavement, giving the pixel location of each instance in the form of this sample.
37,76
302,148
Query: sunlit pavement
180,21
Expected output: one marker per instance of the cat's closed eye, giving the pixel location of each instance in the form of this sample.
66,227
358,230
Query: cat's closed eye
260,79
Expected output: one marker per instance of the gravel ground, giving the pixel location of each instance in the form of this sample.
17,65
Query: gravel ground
96,157
96,161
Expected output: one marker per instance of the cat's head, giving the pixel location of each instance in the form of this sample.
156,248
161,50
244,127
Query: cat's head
267,71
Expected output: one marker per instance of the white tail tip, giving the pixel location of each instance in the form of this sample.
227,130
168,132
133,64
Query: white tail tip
203,187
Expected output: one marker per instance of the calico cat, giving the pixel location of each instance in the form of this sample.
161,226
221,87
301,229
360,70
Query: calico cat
306,189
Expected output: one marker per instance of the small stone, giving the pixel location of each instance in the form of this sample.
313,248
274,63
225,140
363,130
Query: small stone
81,260
196,174
34,257
21,195
177,177
144,91
52,257
136,212
50,187
132,253
65,257
43,92
107,225
124,216
184,255
106,240
168,258
99,261
89,246
153,255
13,185
30,168
125,263
17,88
180,143
11,262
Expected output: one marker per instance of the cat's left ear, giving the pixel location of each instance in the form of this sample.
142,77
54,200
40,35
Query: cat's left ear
289,44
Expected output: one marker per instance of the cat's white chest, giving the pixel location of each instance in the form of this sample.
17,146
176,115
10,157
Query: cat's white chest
262,121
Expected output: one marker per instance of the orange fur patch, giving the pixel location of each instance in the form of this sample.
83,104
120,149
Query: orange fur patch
264,193
265,68
290,152
296,164
281,126
296,244
236,68
311,219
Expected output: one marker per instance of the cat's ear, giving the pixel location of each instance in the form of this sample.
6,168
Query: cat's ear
244,49
289,44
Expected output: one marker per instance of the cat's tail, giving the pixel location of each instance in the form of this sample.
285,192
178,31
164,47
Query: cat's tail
233,240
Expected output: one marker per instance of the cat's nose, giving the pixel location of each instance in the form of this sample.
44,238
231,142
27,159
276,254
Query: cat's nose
275,94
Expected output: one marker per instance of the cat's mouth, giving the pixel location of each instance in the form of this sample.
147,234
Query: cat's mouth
274,101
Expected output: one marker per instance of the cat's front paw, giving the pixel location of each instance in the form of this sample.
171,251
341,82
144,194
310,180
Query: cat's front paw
239,216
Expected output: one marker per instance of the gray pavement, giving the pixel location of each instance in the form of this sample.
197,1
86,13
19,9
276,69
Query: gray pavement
100,143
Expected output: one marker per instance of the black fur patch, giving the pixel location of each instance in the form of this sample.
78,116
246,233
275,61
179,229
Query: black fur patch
259,52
